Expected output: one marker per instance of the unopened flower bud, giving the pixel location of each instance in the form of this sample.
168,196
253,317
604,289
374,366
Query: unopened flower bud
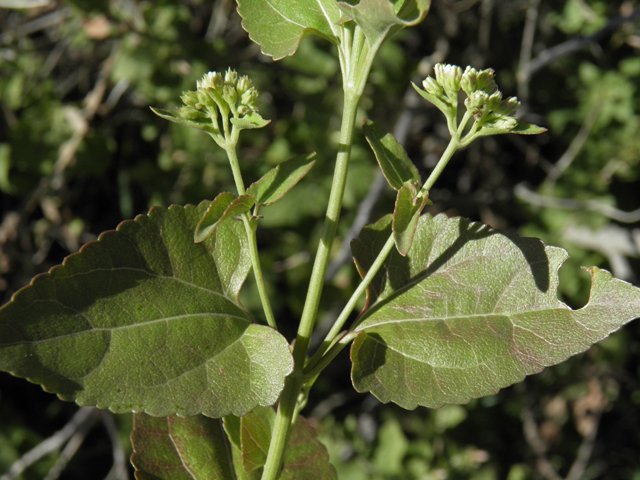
449,77
231,78
432,87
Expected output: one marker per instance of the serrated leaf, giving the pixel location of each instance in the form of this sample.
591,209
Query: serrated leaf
379,19
180,448
278,181
255,437
394,162
224,207
146,320
405,216
278,26
471,310
176,118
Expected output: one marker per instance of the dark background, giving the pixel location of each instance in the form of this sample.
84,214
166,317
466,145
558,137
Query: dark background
80,151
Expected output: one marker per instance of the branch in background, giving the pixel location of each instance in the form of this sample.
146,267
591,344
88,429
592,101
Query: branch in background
529,196
528,34
576,145
120,461
83,419
575,44
614,242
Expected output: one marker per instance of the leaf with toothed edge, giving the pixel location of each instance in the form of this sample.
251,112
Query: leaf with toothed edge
146,320
278,26
470,310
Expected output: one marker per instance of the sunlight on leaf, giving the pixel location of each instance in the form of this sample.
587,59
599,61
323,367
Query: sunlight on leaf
471,310
278,26
146,320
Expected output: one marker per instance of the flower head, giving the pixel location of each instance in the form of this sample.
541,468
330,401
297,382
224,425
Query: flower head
484,103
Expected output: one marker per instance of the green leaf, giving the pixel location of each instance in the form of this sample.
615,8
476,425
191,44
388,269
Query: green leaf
405,216
255,437
176,118
278,26
305,458
278,181
379,19
177,448
250,121
146,320
392,158
223,207
471,310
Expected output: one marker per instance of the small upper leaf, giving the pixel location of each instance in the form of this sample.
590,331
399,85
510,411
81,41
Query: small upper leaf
407,211
278,26
223,207
379,19
146,320
392,158
471,310
278,181
180,448
201,124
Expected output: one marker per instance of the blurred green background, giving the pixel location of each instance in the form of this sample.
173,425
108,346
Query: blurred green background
80,151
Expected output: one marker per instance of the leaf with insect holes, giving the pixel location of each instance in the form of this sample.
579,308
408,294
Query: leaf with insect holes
146,320
224,207
394,162
278,181
278,26
470,310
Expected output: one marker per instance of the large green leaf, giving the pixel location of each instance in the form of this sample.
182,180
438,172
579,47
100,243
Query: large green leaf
180,448
146,320
379,19
471,310
278,26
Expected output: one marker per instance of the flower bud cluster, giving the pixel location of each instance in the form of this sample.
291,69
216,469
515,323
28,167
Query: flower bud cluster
219,96
491,113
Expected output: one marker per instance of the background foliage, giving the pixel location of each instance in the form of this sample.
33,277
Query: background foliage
80,151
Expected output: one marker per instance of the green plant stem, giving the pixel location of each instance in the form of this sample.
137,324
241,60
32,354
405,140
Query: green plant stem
454,145
294,382
230,148
348,308
317,362
257,271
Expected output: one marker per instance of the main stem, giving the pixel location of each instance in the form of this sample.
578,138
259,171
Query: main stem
294,382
